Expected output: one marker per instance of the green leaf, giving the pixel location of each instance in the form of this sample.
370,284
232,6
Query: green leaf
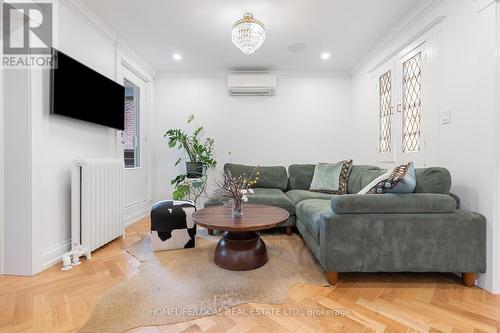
178,161
198,131
177,180
196,149
181,192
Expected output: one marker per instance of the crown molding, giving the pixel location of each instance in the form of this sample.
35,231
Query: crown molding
403,46
86,15
224,74
403,26
145,78
483,4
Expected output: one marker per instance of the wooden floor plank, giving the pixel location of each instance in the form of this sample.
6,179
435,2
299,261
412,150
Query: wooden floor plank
57,301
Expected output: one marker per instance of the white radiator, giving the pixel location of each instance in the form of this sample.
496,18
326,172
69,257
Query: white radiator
97,202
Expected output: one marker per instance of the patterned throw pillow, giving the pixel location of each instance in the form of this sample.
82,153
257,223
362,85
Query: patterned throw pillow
331,177
399,180
406,184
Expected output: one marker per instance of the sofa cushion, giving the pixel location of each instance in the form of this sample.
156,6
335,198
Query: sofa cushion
309,213
214,200
270,176
393,203
355,180
272,197
300,195
331,177
300,176
428,180
400,180
263,196
369,176
433,180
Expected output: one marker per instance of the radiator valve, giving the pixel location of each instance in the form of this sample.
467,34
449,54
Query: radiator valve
72,258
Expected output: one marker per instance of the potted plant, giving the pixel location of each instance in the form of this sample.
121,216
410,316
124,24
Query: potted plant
199,153
198,158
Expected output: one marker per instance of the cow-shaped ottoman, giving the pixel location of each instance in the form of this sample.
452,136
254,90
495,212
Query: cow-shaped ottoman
172,225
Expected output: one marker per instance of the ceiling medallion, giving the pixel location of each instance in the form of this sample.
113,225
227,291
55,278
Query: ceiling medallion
248,34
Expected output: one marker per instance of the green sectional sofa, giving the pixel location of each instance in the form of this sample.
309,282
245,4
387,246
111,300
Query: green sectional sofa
425,231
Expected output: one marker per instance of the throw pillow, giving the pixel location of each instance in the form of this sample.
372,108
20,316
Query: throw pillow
399,180
331,177
407,184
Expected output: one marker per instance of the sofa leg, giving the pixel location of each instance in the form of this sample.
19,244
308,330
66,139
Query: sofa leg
469,279
288,230
210,231
332,277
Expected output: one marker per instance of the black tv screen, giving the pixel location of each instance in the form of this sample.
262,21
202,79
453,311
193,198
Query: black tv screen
80,92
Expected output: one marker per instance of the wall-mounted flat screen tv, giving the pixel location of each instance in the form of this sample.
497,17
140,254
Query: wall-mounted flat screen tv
79,92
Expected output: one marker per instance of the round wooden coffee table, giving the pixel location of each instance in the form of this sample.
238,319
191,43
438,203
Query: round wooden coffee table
240,248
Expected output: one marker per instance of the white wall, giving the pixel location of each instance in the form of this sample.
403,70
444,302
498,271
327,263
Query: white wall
306,122
17,186
2,231
2,188
58,141
54,142
467,146
496,94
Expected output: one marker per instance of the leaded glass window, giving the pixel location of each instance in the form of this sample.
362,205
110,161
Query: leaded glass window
385,115
411,107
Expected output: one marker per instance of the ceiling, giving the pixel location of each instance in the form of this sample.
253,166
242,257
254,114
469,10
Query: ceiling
298,31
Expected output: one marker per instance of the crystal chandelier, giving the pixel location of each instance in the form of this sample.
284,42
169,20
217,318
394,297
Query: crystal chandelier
248,34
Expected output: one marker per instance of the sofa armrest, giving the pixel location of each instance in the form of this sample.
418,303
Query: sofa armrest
429,242
393,203
457,199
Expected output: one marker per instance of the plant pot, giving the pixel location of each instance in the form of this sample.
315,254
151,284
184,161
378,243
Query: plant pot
194,169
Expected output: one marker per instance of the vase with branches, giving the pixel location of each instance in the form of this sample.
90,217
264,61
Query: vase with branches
237,189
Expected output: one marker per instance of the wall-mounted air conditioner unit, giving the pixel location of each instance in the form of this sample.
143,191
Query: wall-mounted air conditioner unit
251,84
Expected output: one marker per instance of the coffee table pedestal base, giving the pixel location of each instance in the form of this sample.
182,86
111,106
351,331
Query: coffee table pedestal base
240,251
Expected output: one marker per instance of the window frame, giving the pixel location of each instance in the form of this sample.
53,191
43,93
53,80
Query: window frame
385,97
395,64
411,136
430,40
137,130
401,155
390,156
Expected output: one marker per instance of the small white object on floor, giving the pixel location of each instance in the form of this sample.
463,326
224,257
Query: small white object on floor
72,258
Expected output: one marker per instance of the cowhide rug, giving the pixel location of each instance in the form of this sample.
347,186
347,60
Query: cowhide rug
180,285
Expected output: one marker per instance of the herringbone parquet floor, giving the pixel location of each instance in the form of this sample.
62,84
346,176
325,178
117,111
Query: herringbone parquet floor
56,301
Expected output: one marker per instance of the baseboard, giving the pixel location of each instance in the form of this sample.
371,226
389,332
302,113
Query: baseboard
52,255
137,212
